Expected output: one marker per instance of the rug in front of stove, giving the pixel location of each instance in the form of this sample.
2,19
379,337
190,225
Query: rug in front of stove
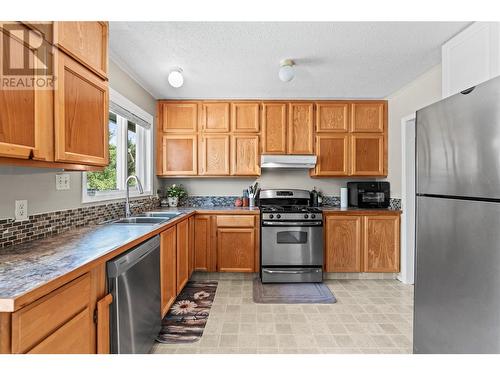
188,315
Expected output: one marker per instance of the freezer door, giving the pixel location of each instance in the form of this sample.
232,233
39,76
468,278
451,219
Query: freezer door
458,144
457,277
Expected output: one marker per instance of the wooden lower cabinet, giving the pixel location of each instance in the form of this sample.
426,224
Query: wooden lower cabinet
343,243
168,268
72,319
362,243
191,245
235,249
182,254
203,243
381,243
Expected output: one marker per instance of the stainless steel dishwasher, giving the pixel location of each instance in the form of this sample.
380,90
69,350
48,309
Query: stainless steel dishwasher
134,281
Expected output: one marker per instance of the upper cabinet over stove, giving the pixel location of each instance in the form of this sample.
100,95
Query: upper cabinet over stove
226,138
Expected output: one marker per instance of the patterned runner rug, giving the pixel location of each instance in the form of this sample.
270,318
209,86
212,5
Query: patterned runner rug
187,317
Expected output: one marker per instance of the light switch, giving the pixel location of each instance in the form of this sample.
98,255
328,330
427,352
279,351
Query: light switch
62,181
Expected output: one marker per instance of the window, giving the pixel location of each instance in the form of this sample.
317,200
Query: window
130,153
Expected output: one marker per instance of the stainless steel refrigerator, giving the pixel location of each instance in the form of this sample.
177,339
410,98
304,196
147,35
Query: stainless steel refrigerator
457,275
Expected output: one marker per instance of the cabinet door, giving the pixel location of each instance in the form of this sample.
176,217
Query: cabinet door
235,249
343,243
179,155
215,117
245,117
274,124
332,151
300,128
332,117
202,243
71,338
191,245
178,117
81,114
368,117
168,268
214,155
26,116
368,155
381,243
182,254
245,155
86,41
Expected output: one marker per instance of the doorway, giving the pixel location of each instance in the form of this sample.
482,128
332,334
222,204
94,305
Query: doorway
408,199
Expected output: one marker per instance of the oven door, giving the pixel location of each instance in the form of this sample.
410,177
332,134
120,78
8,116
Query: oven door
289,244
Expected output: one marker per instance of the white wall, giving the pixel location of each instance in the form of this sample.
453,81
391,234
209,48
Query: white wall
37,185
421,92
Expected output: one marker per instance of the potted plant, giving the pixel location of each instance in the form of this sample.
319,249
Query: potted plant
174,193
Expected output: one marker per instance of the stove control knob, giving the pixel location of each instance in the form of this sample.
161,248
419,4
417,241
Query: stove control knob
278,216
271,216
313,216
306,216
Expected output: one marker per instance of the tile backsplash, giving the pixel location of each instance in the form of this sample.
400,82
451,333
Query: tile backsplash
51,223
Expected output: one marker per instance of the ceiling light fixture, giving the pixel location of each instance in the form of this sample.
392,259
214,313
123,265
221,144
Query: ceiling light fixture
287,71
175,78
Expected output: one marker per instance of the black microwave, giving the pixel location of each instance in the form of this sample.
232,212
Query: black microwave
369,194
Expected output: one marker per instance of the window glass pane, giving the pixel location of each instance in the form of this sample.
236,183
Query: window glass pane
106,180
131,150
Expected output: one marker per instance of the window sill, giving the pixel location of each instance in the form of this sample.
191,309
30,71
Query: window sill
113,196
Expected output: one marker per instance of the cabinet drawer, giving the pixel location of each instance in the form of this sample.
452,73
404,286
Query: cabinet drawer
35,322
72,338
235,221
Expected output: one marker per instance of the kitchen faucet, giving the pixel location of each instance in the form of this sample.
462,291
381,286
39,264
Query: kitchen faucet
141,191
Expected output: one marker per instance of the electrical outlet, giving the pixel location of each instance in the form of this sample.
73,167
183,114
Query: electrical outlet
21,211
62,181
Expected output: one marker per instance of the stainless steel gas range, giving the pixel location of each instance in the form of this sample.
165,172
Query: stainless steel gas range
291,248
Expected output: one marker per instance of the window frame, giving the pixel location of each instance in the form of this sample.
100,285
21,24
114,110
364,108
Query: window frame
144,140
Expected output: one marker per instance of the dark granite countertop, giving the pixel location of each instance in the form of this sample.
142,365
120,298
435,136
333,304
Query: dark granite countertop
30,265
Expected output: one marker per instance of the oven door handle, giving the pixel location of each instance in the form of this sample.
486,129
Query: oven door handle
315,270
293,223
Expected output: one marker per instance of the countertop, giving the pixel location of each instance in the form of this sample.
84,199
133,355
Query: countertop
28,266
358,210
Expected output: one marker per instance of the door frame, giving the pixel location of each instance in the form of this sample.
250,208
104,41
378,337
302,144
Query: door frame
407,217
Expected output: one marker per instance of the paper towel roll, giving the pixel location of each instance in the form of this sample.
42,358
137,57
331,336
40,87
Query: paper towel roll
343,197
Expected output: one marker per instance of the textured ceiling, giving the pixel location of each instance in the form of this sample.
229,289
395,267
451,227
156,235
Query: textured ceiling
241,60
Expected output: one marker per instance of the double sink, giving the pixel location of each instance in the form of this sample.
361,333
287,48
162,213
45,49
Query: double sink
147,218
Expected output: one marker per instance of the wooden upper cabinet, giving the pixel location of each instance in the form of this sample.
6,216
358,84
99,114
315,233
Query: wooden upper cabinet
245,155
214,155
381,243
368,117
332,151
343,243
178,117
178,155
235,249
215,117
86,42
274,128
81,114
182,254
332,117
245,117
368,155
300,128
26,116
168,268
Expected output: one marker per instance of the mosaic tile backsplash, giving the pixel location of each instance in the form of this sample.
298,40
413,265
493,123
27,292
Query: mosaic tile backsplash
52,223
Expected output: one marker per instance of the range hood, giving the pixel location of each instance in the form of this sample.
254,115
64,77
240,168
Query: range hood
288,161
